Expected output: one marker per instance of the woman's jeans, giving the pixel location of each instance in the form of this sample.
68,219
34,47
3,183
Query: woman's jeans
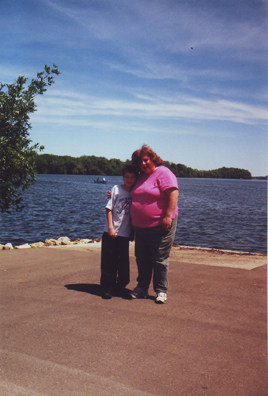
152,250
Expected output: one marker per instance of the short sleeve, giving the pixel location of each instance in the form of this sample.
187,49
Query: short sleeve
167,179
110,203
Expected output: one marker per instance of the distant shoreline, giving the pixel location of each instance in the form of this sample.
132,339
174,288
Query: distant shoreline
223,178
101,166
260,178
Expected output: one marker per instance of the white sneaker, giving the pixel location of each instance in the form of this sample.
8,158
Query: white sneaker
161,298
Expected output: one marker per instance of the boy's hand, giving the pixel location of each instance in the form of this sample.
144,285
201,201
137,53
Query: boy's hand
108,195
112,233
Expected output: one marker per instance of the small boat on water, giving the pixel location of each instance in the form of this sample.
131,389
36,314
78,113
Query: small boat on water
102,181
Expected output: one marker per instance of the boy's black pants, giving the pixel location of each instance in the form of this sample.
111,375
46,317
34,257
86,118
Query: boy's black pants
114,262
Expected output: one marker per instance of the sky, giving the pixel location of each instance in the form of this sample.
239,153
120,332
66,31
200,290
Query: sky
186,77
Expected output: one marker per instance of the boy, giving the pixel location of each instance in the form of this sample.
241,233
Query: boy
116,236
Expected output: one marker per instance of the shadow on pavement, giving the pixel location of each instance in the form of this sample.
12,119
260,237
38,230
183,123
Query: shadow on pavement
94,289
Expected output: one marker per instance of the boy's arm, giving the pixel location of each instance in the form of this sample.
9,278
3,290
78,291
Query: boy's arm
111,230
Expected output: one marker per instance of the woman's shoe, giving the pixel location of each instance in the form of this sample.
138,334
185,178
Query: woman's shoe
139,293
161,298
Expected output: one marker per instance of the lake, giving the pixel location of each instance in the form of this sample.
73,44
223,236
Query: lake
213,213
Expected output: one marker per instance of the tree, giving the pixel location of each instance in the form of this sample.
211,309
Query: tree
17,155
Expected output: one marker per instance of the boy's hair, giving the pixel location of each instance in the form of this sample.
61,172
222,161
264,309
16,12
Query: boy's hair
130,169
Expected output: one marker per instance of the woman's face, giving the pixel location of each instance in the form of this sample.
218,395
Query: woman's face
147,165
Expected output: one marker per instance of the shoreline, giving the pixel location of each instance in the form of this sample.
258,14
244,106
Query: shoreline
179,254
76,242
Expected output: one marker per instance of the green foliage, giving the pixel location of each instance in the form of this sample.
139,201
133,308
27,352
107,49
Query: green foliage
17,155
91,165
85,165
222,173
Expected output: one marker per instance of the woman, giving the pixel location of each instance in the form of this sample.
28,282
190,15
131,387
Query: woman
154,214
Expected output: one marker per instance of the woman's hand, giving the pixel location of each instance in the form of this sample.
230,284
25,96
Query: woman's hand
108,195
167,221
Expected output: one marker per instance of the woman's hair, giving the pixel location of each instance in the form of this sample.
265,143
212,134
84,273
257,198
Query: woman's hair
145,150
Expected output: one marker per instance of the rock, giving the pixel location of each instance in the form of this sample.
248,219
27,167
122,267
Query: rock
8,246
50,242
25,246
64,241
37,244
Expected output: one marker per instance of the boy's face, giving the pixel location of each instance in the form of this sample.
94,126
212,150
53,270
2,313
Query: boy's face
129,179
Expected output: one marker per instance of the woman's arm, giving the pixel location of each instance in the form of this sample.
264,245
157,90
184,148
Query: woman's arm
111,230
173,195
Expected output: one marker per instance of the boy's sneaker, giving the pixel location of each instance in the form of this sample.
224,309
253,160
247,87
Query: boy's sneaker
107,295
123,293
139,293
161,298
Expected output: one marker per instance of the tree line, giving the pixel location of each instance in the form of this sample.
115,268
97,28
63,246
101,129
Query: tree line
92,165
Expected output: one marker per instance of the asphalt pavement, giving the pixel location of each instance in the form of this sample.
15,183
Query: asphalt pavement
59,337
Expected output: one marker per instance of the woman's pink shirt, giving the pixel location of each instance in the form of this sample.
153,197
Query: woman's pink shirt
149,200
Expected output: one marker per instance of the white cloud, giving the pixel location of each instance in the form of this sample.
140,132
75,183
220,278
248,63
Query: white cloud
70,105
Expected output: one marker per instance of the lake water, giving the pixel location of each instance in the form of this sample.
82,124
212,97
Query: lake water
213,213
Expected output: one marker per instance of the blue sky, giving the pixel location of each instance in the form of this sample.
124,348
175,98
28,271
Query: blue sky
188,78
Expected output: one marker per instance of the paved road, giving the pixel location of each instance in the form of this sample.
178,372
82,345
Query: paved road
60,338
